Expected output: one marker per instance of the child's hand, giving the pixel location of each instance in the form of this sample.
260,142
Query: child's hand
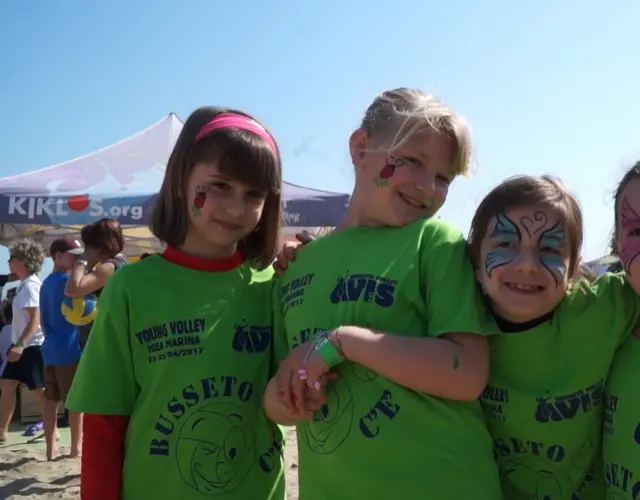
296,379
288,253
288,414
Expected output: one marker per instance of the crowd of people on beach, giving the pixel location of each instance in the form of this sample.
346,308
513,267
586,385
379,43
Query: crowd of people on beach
413,360
42,348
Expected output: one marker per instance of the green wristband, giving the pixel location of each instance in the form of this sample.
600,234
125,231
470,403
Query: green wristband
327,351
18,343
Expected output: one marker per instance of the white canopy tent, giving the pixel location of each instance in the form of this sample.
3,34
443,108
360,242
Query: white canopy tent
121,182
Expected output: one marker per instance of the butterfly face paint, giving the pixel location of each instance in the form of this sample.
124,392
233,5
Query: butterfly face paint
388,170
630,237
551,251
199,200
506,236
533,225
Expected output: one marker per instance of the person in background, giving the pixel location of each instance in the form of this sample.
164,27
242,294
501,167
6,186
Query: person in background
60,350
24,356
103,242
7,278
5,334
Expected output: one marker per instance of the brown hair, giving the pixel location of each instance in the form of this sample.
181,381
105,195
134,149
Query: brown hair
522,191
396,115
104,234
239,154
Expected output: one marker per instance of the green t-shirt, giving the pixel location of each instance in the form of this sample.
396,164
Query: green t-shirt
187,355
621,437
375,438
545,393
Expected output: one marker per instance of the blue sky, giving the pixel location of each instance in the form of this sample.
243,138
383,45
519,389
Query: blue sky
548,86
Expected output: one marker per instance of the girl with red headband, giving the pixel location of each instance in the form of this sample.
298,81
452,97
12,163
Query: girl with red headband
172,380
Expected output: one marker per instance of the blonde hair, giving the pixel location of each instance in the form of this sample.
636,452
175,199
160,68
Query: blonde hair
396,115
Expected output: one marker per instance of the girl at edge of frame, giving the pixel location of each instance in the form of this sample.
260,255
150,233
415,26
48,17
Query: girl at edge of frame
410,363
621,433
559,336
181,349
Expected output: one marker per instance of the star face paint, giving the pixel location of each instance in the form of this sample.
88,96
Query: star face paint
630,237
551,251
506,236
199,200
388,170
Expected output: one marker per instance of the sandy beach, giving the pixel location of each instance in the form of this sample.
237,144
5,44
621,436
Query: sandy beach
290,464
25,474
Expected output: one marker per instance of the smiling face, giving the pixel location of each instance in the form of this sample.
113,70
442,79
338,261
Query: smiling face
401,186
221,211
524,262
628,231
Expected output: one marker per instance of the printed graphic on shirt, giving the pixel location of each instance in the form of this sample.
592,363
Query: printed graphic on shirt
546,468
181,338
543,469
493,399
379,278
337,419
557,409
292,293
621,429
334,422
622,446
251,338
210,429
610,409
368,288
187,358
174,339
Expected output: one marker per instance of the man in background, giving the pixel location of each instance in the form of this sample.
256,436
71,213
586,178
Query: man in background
61,348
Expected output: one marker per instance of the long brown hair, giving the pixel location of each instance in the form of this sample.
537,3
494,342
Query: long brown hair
240,155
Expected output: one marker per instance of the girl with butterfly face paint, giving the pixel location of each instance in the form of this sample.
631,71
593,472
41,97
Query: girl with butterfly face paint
544,400
621,443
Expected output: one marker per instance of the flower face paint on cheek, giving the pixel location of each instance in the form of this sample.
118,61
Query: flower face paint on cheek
199,200
507,236
630,239
551,248
387,171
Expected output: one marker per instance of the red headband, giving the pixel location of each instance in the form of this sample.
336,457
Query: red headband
230,120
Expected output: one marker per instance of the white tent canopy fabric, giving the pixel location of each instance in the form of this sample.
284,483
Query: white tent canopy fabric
121,182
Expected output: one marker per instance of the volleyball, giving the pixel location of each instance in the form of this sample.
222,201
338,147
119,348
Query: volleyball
80,311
